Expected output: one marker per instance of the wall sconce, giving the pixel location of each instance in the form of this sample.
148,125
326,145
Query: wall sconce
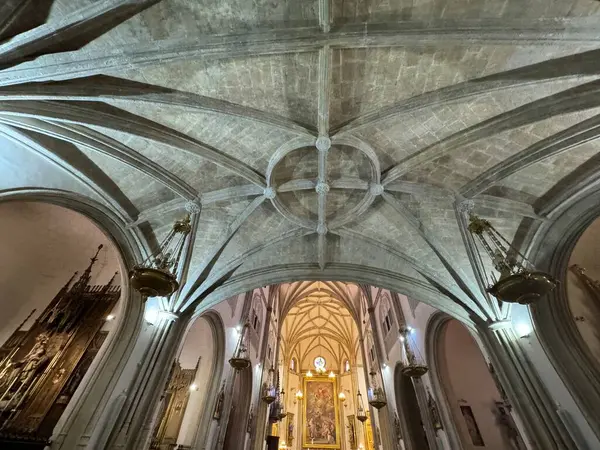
110,317
299,396
523,330
193,387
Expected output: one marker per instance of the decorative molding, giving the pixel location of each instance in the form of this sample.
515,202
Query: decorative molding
578,134
406,34
120,120
579,98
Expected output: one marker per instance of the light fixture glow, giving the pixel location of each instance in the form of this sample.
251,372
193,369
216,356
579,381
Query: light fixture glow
110,317
309,373
193,387
299,395
523,330
151,315
342,396
331,374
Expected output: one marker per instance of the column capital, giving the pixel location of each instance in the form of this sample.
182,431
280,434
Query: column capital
499,325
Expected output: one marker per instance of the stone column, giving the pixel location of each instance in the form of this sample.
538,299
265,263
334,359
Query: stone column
385,418
430,432
136,423
228,401
262,409
542,427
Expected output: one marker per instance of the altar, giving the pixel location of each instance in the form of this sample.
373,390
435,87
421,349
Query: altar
320,417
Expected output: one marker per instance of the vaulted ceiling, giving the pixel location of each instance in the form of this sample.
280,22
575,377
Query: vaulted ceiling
319,317
319,133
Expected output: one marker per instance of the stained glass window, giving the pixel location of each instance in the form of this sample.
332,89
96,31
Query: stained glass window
319,363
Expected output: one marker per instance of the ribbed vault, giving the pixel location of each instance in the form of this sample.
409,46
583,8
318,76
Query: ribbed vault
309,132
316,318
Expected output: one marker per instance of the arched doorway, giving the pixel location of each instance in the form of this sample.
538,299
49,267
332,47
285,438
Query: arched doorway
406,401
61,274
478,409
237,424
187,406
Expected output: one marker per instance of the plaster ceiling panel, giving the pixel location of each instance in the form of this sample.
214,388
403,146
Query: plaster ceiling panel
537,179
436,214
395,10
402,135
128,183
456,166
60,8
385,225
177,19
368,79
263,227
284,84
250,142
198,172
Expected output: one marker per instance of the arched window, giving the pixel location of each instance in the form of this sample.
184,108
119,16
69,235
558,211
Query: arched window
387,320
293,364
256,313
347,366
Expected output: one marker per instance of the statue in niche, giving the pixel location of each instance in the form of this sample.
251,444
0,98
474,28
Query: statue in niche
507,426
398,431
219,405
499,385
351,432
25,369
250,420
434,412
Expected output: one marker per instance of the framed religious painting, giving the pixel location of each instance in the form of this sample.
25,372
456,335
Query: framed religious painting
320,416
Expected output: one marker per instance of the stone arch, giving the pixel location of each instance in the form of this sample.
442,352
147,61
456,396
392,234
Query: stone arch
199,416
87,417
550,250
471,397
433,335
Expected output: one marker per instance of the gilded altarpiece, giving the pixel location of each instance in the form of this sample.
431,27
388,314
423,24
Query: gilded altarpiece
41,367
320,416
174,403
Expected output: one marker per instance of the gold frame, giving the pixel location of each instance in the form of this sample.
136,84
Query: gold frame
338,429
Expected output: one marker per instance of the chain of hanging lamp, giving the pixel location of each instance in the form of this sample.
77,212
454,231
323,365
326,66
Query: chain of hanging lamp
518,281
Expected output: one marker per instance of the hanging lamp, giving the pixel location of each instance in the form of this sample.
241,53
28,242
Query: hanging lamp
269,391
415,368
240,360
519,281
361,414
156,276
376,395
282,411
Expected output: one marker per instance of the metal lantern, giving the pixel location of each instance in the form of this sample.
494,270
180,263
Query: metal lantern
414,368
270,391
376,394
282,411
361,414
519,281
240,360
156,276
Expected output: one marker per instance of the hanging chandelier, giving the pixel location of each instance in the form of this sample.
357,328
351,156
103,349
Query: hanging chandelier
376,395
361,414
519,281
270,391
415,368
156,276
240,360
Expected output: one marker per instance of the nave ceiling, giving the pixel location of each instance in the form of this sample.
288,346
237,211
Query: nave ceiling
316,132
